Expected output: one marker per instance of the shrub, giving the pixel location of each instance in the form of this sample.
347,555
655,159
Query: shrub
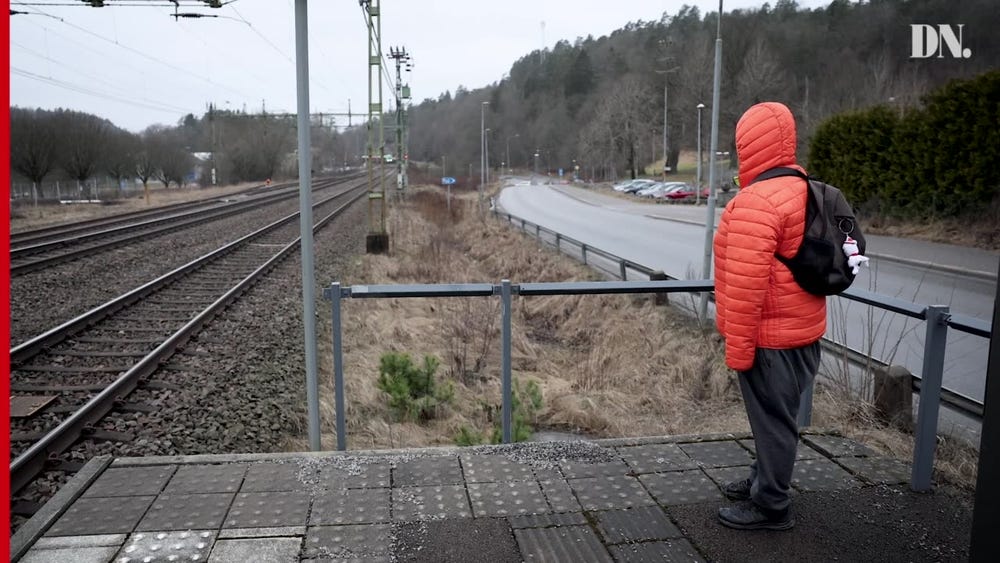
413,392
525,405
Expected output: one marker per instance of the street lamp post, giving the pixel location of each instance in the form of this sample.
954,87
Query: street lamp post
713,147
509,165
487,155
697,192
482,149
536,162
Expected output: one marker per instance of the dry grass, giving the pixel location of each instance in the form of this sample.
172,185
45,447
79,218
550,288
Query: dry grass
608,366
24,216
980,231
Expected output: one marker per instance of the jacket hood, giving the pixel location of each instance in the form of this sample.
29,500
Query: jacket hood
765,138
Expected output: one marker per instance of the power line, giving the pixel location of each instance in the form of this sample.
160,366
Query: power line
84,90
144,55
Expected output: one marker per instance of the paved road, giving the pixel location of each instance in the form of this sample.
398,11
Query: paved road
671,238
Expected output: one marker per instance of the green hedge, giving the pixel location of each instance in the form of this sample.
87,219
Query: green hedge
942,160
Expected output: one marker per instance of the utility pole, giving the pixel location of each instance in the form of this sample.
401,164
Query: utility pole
712,149
377,241
402,94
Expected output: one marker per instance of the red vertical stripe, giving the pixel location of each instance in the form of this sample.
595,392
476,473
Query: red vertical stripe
5,285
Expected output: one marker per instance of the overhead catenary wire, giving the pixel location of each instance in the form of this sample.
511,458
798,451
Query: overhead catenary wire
144,55
84,90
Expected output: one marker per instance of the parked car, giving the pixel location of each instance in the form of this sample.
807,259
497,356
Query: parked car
682,191
662,188
640,184
622,186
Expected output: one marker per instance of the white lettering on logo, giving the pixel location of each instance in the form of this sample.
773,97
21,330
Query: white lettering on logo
926,41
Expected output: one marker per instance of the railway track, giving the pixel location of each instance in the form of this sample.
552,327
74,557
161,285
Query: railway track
64,230
66,380
71,242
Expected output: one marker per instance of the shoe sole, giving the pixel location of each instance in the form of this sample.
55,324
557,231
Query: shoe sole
778,526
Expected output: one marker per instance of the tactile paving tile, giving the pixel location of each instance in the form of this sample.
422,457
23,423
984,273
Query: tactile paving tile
560,496
507,498
353,506
835,446
274,550
206,479
101,515
186,512
353,543
578,544
131,481
878,469
672,551
428,503
264,477
494,468
362,476
636,524
599,493
268,510
718,454
442,470
653,458
548,520
580,470
803,451
681,487
821,475
149,547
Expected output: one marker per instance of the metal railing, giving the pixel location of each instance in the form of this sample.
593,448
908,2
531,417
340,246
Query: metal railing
937,318
620,267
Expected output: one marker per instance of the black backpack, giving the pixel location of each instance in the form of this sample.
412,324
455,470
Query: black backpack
820,266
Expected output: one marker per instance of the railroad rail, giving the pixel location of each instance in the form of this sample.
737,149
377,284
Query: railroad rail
78,241
63,230
66,380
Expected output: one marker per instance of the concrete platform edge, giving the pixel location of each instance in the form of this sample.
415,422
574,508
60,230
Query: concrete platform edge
33,529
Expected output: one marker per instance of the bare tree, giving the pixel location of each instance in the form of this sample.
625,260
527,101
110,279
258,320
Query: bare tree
83,138
32,144
761,77
120,161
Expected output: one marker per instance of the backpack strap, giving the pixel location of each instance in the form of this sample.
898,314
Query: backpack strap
777,172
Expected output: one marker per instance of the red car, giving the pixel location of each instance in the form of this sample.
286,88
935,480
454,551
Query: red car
680,192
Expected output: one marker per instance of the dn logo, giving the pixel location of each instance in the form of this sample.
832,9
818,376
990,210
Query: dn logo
928,41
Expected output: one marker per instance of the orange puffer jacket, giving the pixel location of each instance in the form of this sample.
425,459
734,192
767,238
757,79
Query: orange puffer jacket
758,303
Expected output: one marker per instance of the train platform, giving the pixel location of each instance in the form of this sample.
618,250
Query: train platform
619,500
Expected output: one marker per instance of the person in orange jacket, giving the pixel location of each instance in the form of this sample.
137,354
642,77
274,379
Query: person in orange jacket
771,326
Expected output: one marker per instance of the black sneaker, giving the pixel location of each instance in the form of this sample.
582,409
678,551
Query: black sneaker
737,490
749,516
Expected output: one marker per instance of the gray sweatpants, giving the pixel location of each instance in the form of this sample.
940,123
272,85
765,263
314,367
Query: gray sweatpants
771,391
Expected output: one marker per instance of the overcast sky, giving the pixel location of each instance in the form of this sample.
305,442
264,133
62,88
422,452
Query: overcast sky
138,66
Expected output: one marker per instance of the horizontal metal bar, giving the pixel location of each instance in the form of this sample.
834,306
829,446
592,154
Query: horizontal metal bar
891,304
596,288
971,325
426,290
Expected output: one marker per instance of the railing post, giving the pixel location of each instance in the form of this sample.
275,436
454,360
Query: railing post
584,252
930,397
338,368
505,359
621,266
